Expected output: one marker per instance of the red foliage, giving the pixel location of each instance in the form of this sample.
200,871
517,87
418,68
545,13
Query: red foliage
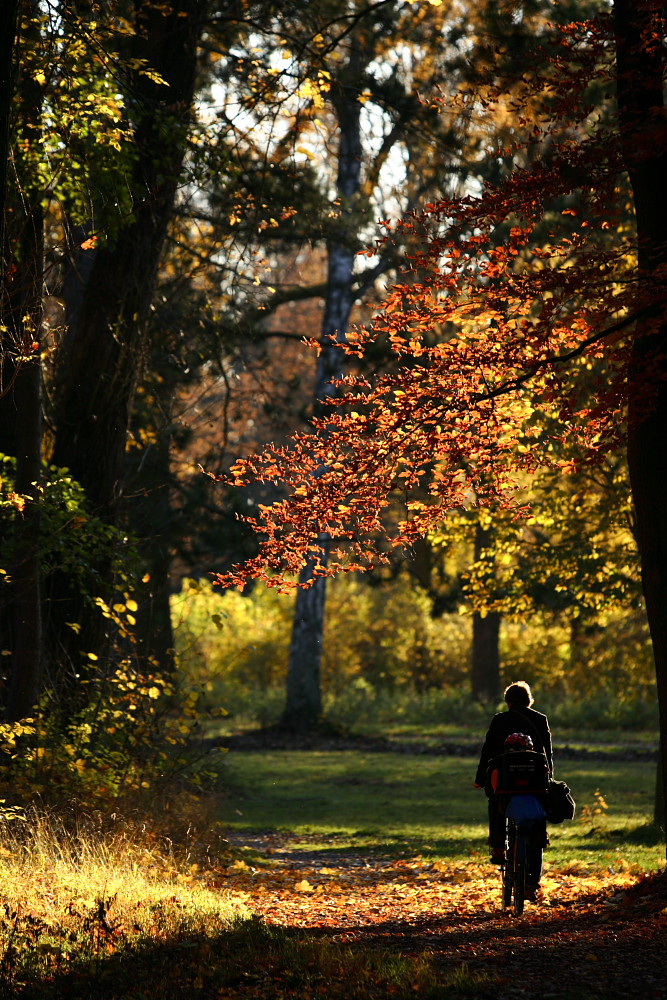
510,335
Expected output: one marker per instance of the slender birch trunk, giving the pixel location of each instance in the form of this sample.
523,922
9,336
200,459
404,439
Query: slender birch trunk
303,706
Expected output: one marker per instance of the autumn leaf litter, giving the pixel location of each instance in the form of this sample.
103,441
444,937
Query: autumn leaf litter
610,930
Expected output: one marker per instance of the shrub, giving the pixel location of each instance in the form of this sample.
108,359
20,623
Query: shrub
385,636
383,639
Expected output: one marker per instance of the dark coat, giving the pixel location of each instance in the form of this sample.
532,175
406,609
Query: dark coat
523,720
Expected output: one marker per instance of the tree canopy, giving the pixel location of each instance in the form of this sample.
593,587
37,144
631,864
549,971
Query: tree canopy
526,333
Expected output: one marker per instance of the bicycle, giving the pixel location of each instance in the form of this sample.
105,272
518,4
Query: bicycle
522,862
518,782
513,867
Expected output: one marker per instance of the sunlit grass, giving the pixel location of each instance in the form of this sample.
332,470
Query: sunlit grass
70,898
426,805
87,863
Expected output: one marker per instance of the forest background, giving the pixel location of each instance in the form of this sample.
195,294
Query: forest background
191,193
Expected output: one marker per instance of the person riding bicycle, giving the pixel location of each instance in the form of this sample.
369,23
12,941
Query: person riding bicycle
519,718
516,784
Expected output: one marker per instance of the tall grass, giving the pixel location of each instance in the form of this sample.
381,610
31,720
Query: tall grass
73,894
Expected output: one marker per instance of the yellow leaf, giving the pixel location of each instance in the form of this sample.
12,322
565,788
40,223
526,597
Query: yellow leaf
304,886
441,866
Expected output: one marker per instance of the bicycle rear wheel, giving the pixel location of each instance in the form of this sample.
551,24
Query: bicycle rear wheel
507,867
507,885
519,872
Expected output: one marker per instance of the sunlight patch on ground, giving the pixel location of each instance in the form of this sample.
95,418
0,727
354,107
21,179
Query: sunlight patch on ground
301,888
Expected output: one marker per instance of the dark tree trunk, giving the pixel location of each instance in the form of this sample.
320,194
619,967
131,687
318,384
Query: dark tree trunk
20,415
485,658
24,686
304,698
20,405
640,29
103,352
8,35
102,355
659,803
149,517
485,666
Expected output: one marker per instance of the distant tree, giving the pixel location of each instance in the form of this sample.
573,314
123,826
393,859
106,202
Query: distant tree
365,69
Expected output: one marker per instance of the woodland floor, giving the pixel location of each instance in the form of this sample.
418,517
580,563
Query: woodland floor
339,917
591,936
586,939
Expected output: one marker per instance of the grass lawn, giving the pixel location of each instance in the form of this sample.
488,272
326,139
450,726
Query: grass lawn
425,805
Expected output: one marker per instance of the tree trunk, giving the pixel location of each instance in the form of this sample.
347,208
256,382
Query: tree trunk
640,28
20,413
103,353
304,698
659,803
20,409
485,658
149,517
485,667
24,686
9,10
303,706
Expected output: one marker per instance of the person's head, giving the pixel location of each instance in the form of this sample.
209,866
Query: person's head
518,741
518,695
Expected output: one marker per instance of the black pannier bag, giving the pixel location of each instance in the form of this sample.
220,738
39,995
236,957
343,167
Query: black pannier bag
560,804
522,771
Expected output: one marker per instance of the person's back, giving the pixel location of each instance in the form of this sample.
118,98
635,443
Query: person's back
520,717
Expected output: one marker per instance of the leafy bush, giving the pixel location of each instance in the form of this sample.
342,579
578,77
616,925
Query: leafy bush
384,636
361,705
381,639
128,730
129,745
71,539
582,660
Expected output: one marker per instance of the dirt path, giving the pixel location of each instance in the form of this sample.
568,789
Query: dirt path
588,939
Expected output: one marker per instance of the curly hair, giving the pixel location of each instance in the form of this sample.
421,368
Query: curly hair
519,694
